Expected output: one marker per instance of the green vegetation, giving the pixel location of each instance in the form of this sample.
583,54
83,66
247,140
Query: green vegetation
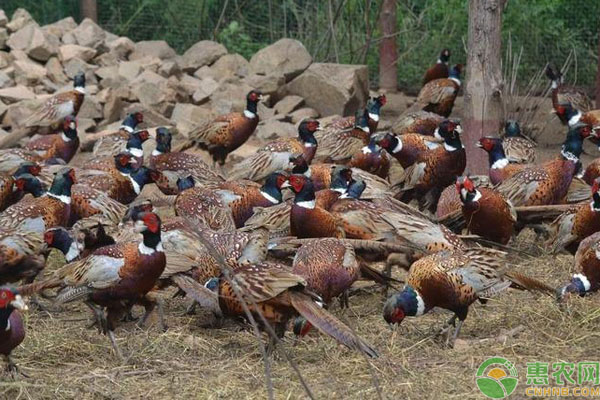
548,30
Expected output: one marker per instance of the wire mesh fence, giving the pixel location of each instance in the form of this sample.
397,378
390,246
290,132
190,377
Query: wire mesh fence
346,31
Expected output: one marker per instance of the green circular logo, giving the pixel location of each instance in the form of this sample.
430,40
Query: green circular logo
497,378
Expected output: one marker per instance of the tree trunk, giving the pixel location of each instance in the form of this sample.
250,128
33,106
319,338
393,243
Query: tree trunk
483,89
388,77
598,75
89,9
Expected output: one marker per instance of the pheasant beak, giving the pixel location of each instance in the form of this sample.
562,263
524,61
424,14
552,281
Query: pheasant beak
19,303
139,226
478,144
286,184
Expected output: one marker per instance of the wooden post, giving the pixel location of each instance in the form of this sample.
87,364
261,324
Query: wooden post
483,88
388,77
89,9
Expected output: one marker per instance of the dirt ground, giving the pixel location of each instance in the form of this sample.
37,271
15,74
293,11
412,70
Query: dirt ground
65,360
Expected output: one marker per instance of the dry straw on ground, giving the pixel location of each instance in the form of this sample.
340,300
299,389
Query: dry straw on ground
66,360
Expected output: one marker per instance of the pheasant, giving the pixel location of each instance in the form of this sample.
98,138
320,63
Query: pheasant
421,122
435,169
581,221
449,206
113,276
307,220
454,281
339,145
592,171
390,220
12,329
572,116
566,94
44,212
500,167
204,205
89,202
517,148
19,260
178,164
373,110
102,160
372,159
408,147
440,69
59,106
548,183
8,195
114,143
61,146
227,132
60,239
587,267
275,156
438,96
279,295
487,213
321,175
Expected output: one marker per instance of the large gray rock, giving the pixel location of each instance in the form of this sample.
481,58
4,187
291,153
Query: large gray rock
59,28
69,51
129,69
152,48
333,88
5,80
286,56
5,59
230,65
288,104
34,41
20,18
75,65
15,93
269,84
28,73
302,114
121,47
275,129
205,52
89,34
3,18
90,108
186,116
54,70
207,88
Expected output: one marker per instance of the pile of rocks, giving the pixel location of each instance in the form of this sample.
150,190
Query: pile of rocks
170,89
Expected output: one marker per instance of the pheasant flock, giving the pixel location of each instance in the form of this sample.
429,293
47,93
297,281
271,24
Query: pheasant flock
276,237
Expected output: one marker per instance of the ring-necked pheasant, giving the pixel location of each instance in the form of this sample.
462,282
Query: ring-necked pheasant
438,95
408,147
587,267
573,116
548,183
440,69
275,156
454,281
12,329
180,164
517,148
279,295
307,219
339,145
581,221
227,132
487,213
102,159
422,122
113,276
114,143
566,94
62,145
8,194
44,212
435,169
500,167
373,110
372,159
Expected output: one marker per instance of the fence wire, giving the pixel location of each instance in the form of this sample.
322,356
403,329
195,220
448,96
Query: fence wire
346,31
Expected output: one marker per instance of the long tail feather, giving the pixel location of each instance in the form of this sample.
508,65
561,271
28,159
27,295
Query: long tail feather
524,282
327,323
36,287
